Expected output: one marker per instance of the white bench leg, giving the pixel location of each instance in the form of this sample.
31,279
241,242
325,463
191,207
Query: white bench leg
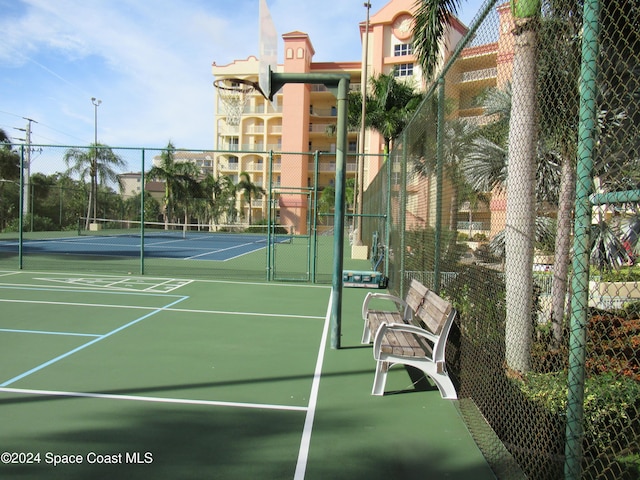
441,379
380,378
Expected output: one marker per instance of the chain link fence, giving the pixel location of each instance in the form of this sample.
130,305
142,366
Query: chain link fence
513,192
232,214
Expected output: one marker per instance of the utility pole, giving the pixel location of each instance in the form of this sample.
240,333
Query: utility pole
360,171
27,165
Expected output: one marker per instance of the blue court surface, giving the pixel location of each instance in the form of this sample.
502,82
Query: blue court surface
192,246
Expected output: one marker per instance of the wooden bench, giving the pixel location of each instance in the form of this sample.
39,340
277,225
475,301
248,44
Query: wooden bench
414,334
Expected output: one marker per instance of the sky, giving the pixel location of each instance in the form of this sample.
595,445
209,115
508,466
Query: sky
149,62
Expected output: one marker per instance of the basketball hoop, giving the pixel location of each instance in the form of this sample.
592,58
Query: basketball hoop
234,93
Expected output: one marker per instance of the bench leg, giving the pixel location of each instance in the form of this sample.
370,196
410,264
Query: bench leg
380,378
437,373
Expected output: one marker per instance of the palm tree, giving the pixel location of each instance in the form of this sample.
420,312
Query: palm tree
179,179
186,189
459,142
249,190
431,19
99,162
9,171
389,107
9,159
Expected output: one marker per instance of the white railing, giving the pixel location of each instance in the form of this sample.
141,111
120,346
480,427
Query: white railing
479,74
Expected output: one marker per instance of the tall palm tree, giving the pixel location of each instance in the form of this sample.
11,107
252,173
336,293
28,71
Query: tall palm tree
249,190
431,21
389,106
100,164
559,99
178,177
459,142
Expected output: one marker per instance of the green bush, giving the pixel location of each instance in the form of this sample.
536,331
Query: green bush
611,405
39,224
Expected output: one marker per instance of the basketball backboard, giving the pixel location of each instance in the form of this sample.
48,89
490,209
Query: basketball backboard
268,59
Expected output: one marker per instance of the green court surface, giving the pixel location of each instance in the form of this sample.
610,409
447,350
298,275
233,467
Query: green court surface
145,377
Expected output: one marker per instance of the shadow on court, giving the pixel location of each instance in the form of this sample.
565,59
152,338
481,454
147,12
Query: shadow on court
194,442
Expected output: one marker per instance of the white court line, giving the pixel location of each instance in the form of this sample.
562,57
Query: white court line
303,453
169,309
202,280
78,304
43,332
136,398
233,247
6,274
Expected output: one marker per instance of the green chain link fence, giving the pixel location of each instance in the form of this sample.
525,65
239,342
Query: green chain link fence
225,201
513,192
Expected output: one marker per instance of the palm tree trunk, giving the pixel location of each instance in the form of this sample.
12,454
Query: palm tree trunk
94,187
562,249
520,221
89,204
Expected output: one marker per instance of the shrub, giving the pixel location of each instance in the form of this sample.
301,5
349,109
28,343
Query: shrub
39,224
611,405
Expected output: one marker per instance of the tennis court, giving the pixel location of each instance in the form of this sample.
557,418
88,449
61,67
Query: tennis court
127,238
178,378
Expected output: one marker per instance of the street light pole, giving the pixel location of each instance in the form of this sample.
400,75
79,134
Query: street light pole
94,164
360,162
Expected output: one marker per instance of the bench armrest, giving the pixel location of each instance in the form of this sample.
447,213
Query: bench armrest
400,327
401,304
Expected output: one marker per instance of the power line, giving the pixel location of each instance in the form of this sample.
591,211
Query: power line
46,126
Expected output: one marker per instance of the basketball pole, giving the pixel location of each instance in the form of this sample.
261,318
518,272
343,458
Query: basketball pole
338,84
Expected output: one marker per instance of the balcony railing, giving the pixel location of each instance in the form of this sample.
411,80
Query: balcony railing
254,130
483,74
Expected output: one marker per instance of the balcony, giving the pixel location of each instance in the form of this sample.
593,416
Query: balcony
253,147
328,129
324,112
229,130
476,75
330,167
254,130
254,167
228,166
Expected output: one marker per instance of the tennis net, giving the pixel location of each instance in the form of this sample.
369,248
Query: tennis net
188,231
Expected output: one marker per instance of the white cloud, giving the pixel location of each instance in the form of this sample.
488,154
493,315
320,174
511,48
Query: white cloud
148,61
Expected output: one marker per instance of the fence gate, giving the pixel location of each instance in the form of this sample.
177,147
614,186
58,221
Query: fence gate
290,248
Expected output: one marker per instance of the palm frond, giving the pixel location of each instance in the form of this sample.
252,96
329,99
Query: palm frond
430,22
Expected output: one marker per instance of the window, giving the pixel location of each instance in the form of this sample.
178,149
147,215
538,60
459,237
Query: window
403,70
403,49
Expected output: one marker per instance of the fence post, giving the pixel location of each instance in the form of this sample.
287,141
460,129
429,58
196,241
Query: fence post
21,208
338,221
402,210
439,169
314,238
142,217
270,219
581,243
